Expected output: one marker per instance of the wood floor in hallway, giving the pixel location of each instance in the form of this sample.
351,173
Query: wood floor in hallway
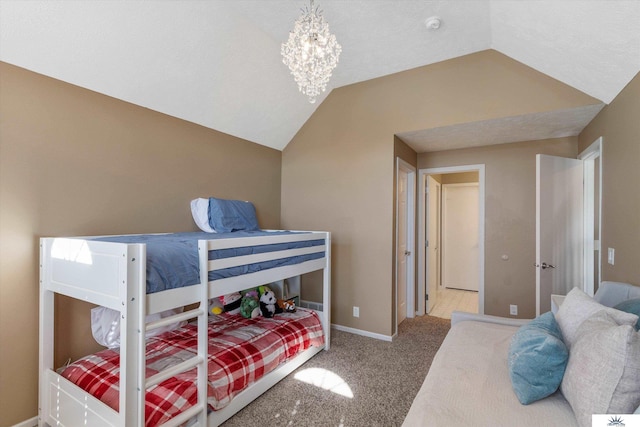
450,300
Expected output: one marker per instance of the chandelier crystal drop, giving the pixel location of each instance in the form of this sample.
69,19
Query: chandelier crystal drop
311,53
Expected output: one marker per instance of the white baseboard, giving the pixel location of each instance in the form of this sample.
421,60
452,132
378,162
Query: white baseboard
33,422
361,332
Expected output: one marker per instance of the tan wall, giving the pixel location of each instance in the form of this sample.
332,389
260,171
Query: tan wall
510,206
403,151
334,185
459,178
619,125
337,172
73,162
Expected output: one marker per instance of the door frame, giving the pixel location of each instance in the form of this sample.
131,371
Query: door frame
589,156
410,170
422,227
429,243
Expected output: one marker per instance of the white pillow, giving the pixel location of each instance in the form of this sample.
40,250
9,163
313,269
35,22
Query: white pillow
200,213
105,325
603,372
578,307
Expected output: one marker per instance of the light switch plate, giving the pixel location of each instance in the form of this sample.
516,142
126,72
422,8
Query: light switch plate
611,255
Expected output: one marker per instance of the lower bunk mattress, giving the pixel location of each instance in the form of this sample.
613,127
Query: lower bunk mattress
241,351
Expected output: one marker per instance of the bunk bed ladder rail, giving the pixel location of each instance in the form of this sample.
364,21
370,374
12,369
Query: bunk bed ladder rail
200,359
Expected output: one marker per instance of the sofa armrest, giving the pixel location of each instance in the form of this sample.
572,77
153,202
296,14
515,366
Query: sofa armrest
461,316
613,293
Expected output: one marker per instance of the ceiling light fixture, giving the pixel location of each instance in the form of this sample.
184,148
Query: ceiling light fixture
311,53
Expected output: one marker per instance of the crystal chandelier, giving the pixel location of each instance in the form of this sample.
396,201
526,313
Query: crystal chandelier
311,53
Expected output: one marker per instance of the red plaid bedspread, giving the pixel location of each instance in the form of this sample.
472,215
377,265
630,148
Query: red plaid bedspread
240,352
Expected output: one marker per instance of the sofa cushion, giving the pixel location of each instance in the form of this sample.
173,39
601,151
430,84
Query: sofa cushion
537,359
631,306
603,372
578,307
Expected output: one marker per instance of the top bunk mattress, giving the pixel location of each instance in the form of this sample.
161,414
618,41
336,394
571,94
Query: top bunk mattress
172,259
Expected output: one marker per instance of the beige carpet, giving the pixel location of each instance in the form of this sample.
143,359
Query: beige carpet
382,377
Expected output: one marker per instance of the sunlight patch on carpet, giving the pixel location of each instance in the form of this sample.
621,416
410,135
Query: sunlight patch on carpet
326,380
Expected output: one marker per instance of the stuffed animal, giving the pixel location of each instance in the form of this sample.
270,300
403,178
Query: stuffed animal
268,304
287,306
250,307
231,302
215,306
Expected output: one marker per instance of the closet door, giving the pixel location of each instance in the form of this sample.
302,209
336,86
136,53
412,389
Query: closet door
460,236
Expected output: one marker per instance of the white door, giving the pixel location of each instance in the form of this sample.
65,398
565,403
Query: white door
460,236
559,228
432,242
402,251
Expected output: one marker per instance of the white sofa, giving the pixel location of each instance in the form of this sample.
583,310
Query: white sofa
468,383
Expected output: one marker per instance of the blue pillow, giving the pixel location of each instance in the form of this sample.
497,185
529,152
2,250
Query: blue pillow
631,306
537,359
232,215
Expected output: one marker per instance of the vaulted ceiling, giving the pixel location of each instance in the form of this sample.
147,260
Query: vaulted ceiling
217,63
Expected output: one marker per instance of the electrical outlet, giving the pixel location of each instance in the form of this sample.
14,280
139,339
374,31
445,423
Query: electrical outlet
513,310
356,311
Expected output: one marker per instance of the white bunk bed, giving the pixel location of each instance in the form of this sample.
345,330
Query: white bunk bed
113,275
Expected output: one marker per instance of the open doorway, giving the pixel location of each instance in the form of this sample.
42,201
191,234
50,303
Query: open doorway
451,240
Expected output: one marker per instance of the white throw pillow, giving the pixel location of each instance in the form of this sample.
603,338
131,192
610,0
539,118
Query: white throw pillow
578,307
603,372
200,213
105,325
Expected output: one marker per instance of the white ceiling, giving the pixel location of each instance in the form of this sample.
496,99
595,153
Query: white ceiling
217,63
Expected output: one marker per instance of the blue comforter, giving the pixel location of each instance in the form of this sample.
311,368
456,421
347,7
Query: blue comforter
172,259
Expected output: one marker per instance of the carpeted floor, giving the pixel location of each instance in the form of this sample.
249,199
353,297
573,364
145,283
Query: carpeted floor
382,377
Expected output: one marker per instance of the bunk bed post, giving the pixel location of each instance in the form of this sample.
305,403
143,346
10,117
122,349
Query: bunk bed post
133,283
326,293
203,331
45,357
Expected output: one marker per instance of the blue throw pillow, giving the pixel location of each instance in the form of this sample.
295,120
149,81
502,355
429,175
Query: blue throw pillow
537,359
232,215
631,306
